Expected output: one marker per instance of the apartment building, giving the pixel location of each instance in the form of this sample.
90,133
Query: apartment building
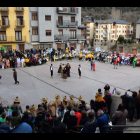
56,27
14,28
107,32
88,22
138,30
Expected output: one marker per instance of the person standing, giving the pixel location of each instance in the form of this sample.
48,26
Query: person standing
60,67
63,66
18,62
68,67
107,87
57,101
115,63
51,70
79,71
15,76
134,62
71,102
91,64
65,74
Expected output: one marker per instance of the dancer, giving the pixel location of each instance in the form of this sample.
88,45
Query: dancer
86,58
64,74
63,66
51,70
18,62
68,67
15,76
79,71
60,67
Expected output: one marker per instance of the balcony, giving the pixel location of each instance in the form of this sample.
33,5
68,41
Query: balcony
66,24
4,23
13,39
87,34
67,10
105,38
20,23
105,28
19,9
68,37
4,9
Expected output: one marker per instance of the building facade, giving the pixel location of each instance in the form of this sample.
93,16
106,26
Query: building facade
138,30
14,28
56,27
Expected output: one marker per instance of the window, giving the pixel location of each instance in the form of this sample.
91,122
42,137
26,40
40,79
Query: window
72,19
48,18
4,8
72,33
34,16
96,36
2,35
19,8
60,32
48,33
19,20
35,31
5,20
18,36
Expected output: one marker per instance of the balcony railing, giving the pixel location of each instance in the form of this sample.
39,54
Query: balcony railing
66,10
4,23
19,9
4,38
66,23
104,37
20,23
86,34
68,37
4,9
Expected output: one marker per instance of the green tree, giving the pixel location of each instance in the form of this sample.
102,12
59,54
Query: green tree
129,41
125,41
132,41
121,39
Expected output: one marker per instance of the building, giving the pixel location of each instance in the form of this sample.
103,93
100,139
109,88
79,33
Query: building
14,28
56,27
106,32
88,22
138,30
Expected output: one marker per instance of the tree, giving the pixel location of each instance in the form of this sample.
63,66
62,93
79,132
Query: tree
129,41
125,41
121,39
132,41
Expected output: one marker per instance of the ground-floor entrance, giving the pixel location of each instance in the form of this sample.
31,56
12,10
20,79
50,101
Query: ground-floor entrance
21,47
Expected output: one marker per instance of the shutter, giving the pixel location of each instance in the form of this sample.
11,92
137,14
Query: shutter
18,21
6,20
1,37
19,35
16,35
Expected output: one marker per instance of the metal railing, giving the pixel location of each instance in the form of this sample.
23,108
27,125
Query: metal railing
19,9
4,9
66,23
68,10
20,23
4,23
110,129
4,38
68,37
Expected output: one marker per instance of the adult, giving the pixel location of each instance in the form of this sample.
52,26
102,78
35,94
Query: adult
91,64
71,102
60,112
15,76
51,70
18,62
107,87
125,101
10,110
92,104
71,120
132,104
1,108
3,118
51,109
22,61
65,102
102,120
63,66
88,109
79,102
115,62
64,74
121,115
78,115
84,118
57,101
33,110
79,71
68,67
60,67
91,124
114,90
138,106
67,114
45,103
82,106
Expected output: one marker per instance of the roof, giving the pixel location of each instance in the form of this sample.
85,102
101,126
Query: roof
81,27
110,21
138,22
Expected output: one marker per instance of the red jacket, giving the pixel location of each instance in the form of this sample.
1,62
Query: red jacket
78,115
115,61
119,59
103,107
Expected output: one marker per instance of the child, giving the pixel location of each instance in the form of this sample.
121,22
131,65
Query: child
51,70
7,63
15,64
79,71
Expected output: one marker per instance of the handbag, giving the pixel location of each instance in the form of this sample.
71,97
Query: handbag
114,121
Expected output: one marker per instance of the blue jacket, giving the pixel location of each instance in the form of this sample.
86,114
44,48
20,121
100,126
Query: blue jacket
101,121
34,51
4,128
90,128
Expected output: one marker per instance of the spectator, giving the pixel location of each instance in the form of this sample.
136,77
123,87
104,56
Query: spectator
84,117
82,106
108,100
59,127
3,118
107,87
121,115
71,120
102,120
90,125
92,104
50,119
132,105
4,128
1,108
10,110
78,115
88,108
114,90
8,122
67,114
60,112
125,101
138,106
15,119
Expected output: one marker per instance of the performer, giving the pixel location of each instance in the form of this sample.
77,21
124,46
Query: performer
33,110
69,58
51,109
71,102
134,62
90,56
68,67
15,76
51,70
64,74
93,64
79,71
115,62
63,66
65,102
80,56
57,101
86,58
60,67
63,57
18,62
22,61
79,102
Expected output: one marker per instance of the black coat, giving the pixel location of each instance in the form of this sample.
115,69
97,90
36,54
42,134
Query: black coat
99,105
83,121
108,100
107,88
71,122
125,101
61,128
65,116
1,110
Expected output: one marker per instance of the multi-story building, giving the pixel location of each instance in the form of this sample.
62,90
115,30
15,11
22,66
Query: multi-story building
138,30
56,27
14,28
107,32
88,22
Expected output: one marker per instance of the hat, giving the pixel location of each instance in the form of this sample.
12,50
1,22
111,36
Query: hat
51,103
43,100
16,100
80,98
57,97
65,98
71,96
33,107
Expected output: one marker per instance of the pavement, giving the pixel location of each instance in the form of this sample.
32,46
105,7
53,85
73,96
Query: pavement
36,83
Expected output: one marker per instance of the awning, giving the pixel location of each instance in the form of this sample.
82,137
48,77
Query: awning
81,27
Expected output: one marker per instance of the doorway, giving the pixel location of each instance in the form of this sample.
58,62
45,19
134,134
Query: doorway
60,20
21,47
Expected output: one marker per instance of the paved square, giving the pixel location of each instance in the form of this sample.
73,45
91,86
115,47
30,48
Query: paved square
31,89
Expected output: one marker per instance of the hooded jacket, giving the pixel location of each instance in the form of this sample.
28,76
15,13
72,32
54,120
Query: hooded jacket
99,97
